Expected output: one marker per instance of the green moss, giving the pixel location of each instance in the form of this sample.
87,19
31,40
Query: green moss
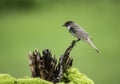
32,81
75,77
72,76
6,79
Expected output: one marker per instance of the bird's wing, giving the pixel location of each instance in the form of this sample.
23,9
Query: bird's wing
81,34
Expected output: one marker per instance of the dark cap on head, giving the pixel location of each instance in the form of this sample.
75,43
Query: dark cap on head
68,23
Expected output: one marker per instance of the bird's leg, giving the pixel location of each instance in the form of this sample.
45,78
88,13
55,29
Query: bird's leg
76,40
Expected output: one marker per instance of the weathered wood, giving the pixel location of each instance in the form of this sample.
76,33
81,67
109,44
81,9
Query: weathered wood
46,66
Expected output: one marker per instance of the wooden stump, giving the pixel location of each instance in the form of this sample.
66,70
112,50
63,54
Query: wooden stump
46,67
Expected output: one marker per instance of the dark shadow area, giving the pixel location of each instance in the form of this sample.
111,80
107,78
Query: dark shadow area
29,4
17,4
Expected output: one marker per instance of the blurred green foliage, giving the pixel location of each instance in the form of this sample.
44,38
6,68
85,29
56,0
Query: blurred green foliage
40,27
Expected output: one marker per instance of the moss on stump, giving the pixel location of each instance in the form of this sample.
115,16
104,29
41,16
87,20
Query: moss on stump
72,75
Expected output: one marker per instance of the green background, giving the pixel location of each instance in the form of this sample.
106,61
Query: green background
29,24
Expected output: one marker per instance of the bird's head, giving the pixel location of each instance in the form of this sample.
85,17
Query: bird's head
68,23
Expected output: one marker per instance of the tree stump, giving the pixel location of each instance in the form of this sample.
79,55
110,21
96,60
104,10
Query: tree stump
46,67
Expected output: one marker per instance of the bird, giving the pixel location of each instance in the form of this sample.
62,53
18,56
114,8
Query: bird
78,32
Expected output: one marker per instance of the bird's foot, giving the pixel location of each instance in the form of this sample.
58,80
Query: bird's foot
78,40
75,41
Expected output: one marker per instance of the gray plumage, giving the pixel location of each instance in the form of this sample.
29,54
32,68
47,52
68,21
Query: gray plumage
79,32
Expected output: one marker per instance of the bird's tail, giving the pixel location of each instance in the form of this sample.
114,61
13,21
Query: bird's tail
91,43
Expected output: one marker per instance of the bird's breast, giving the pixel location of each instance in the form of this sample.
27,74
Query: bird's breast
72,31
